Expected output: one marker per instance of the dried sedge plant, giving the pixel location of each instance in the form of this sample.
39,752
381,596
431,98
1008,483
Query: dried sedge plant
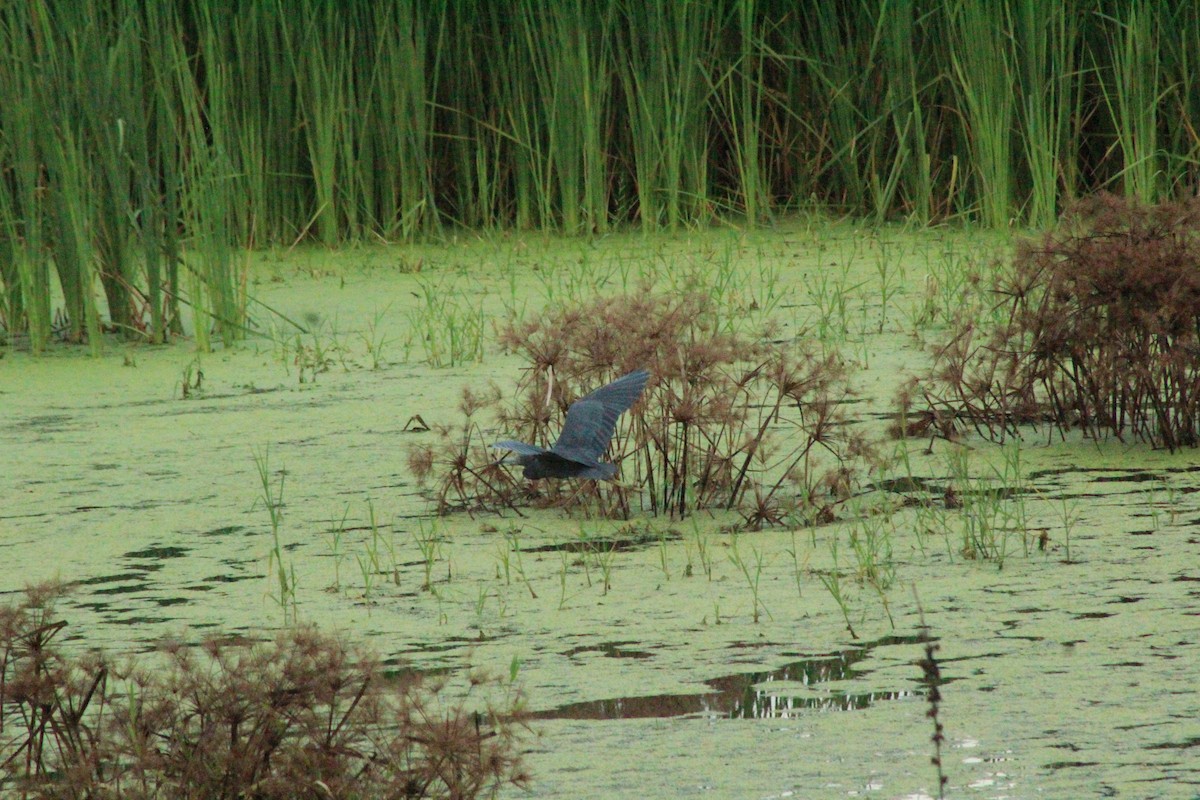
724,422
44,696
1095,325
462,464
304,716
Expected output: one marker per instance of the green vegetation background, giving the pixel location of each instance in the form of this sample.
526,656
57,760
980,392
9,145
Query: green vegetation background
141,143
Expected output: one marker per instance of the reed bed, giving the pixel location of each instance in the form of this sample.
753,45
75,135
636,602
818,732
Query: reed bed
1094,326
140,143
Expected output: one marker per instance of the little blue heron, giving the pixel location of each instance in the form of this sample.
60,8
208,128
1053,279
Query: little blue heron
590,423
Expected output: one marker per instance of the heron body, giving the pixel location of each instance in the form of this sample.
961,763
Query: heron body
591,421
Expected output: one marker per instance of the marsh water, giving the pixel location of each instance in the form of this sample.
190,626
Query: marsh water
1069,667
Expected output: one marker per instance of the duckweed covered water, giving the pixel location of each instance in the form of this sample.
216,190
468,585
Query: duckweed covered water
1069,672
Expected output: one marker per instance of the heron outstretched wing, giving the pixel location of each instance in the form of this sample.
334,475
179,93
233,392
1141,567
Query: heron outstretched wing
592,419
582,438
519,447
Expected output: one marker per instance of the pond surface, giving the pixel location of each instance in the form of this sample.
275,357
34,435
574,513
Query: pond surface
1071,671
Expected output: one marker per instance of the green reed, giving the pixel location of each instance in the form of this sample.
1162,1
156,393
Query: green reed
667,88
1179,50
567,48
1130,86
24,114
838,80
99,107
401,79
74,256
198,131
752,571
448,326
1045,42
910,182
982,65
745,102
831,579
333,537
279,570
429,543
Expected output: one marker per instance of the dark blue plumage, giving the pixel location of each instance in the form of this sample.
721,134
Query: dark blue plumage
590,423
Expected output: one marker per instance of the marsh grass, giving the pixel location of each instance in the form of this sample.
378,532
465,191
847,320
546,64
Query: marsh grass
832,295
375,338
280,571
429,542
751,569
511,557
144,142
230,718
334,536
889,267
368,572
191,381
951,277
982,68
605,557
370,561
564,564
831,579
981,506
1162,496
799,565
703,552
868,535
662,554
311,351
447,325
870,540
1068,517
1130,84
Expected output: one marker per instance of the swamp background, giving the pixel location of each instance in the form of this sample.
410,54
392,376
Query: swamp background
326,208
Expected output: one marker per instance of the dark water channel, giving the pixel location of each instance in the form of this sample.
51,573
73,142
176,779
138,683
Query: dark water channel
749,695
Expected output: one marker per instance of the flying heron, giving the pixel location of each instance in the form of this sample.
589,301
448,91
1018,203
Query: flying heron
590,423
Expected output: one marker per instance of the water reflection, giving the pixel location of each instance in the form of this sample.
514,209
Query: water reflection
793,688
